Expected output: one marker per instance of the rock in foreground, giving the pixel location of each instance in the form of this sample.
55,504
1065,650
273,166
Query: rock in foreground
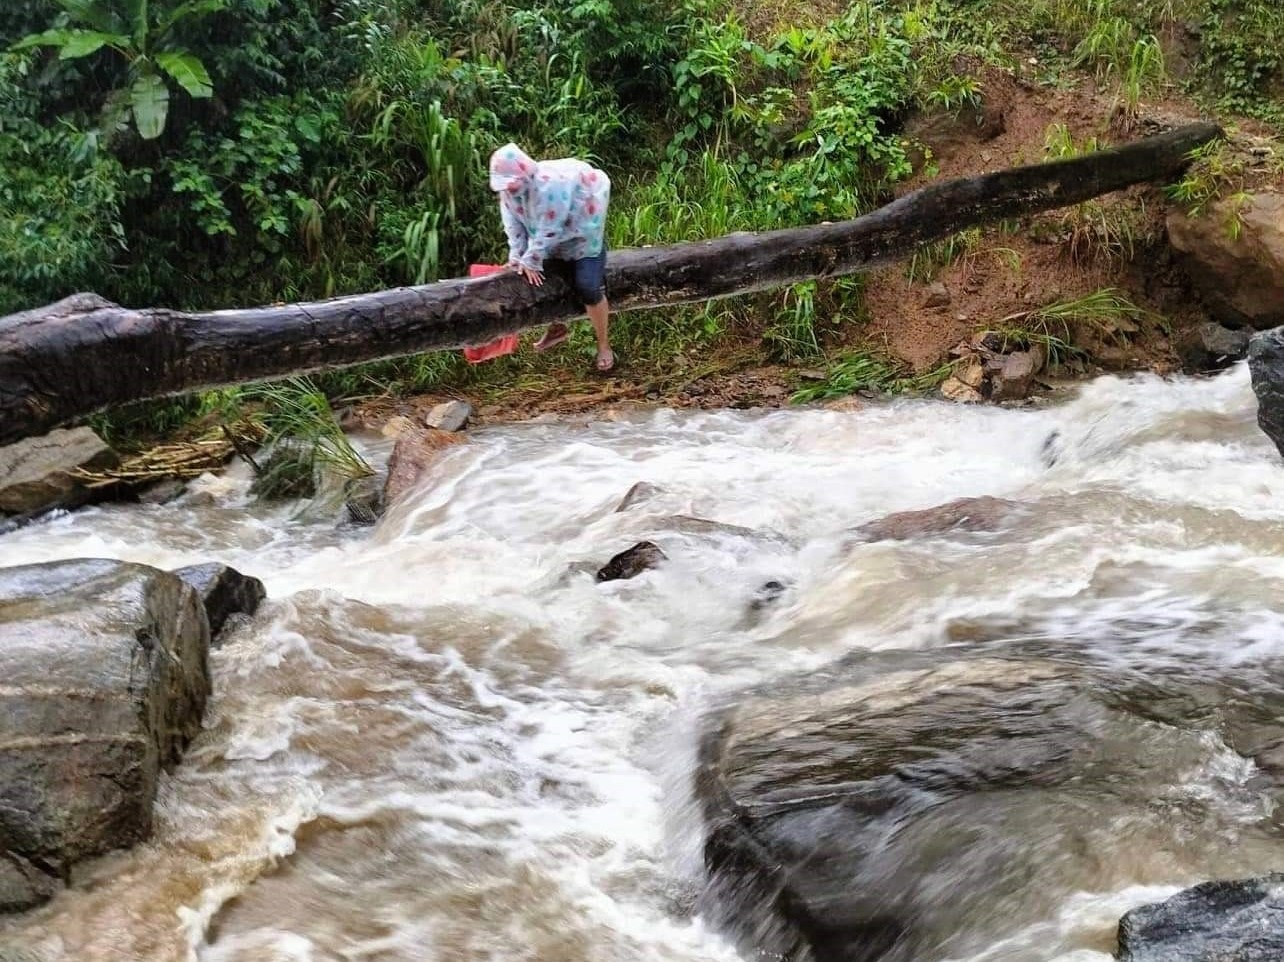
1240,921
106,677
893,807
1266,365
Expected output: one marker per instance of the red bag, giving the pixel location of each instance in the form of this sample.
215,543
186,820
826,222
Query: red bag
506,344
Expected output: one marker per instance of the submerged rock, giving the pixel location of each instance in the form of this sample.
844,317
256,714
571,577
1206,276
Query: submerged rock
643,556
965,514
363,499
640,493
879,810
224,592
38,473
1266,365
163,491
1225,921
106,677
287,471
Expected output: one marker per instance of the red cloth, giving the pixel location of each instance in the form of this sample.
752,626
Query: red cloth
506,344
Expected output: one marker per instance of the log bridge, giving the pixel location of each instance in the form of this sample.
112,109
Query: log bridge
83,354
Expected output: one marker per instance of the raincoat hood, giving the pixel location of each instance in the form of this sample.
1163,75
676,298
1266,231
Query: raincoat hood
510,166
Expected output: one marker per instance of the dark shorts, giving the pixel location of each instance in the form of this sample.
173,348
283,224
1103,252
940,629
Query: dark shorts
590,278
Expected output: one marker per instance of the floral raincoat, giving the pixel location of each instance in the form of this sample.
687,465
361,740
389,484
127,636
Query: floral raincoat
550,208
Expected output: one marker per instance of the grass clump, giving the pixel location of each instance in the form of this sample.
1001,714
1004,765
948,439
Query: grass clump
865,371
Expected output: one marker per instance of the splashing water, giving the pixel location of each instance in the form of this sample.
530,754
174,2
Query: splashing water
439,742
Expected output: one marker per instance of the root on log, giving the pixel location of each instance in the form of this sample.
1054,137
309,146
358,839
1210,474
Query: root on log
70,359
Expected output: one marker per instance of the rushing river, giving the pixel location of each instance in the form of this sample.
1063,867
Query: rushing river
436,743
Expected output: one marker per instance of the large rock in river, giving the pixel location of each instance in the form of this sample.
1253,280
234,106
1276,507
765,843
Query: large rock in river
1231,921
1266,366
106,674
38,473
416,451
1235,255
904,806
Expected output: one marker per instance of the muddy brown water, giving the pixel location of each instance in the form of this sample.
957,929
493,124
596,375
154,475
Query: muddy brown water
433,744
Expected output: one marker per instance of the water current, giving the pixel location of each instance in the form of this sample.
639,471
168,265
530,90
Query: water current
439,741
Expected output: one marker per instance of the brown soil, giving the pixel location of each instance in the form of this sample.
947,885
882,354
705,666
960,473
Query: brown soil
1001,277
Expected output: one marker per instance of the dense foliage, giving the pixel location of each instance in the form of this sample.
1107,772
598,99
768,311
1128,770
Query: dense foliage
205,153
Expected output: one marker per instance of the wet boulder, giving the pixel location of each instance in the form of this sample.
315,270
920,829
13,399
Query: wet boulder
363,498
40,473
631,562
1266,366
1212,347
1238,272
965,514
106,677
1223,921
224,593
885,809
1011,376
414,454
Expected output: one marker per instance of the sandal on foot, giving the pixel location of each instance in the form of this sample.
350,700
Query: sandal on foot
552,339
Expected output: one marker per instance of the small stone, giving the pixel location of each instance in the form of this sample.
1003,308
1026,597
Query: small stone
449,416
955,390
397,425
643,556
1222,342
162,492
938,295
224,592
1015,376
971,373
766,595
846,404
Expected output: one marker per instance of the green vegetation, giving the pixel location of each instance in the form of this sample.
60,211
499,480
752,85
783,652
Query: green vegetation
1107,314
866,371
205,153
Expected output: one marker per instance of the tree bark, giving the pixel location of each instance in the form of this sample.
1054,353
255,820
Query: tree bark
62,362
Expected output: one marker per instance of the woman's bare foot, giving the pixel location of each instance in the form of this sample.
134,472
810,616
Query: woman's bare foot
555,335
605,360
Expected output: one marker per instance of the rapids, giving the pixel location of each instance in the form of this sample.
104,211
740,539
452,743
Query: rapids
435,743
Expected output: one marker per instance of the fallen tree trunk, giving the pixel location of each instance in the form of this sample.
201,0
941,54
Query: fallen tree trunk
83,354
